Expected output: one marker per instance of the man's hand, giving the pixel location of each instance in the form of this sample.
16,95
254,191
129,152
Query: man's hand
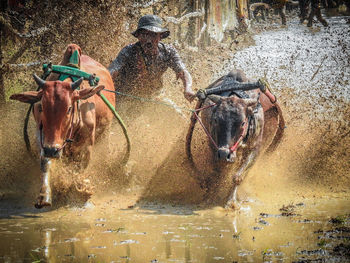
189,95
263,84
187,82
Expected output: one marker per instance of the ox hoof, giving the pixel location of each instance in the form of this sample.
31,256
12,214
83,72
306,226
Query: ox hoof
42,202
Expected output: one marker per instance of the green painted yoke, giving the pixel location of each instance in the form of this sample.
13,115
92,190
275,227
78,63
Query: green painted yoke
69,72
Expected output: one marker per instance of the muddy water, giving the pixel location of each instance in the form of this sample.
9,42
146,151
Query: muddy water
177,234
295,204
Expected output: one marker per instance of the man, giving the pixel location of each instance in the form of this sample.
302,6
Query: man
316,10
139,66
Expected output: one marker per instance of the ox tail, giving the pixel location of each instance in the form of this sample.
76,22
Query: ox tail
280,130
25,131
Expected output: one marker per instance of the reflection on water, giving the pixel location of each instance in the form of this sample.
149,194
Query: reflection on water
173,234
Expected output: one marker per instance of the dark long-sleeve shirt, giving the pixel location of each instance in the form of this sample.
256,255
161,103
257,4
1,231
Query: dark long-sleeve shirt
139,73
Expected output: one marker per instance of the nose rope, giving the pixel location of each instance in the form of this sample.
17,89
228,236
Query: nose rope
70,132
206,131
235,146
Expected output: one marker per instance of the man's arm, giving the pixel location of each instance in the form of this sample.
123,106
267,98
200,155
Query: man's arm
114,74
177,65
187,83
119,62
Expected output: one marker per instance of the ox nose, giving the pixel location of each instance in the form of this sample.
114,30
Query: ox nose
223,153
51,152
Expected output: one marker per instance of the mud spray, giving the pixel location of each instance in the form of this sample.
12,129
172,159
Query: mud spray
310,76
309,72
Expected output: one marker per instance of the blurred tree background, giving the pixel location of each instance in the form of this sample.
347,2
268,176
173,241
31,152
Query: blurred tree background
33,32
36,32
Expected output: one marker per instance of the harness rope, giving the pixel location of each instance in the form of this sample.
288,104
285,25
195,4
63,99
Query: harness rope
241,136
194,112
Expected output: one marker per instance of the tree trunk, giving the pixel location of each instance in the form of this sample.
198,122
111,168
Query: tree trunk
192,24
206,38
2,87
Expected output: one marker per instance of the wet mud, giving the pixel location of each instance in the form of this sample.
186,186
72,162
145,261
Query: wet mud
295,202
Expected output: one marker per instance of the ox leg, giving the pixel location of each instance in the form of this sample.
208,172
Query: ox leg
238,178
44,198
88,153
88,134
87,157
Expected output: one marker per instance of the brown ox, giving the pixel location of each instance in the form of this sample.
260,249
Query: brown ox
239,129
65,114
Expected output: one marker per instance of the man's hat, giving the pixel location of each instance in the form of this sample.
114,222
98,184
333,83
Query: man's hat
151,23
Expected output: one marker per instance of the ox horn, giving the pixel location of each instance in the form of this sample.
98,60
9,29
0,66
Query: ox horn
76,84
39,81
214,98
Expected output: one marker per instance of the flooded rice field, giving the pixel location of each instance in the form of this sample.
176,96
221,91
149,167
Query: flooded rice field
295,204
304,232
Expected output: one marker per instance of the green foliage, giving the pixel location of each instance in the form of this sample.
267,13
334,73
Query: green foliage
96,26
16,86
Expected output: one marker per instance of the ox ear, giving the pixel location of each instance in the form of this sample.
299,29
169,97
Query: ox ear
215,98
87,93
28,96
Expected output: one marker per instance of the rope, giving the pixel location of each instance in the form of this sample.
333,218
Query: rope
121,123
206,131
176,107
149,100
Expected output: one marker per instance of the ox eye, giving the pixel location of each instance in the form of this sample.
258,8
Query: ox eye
69,110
